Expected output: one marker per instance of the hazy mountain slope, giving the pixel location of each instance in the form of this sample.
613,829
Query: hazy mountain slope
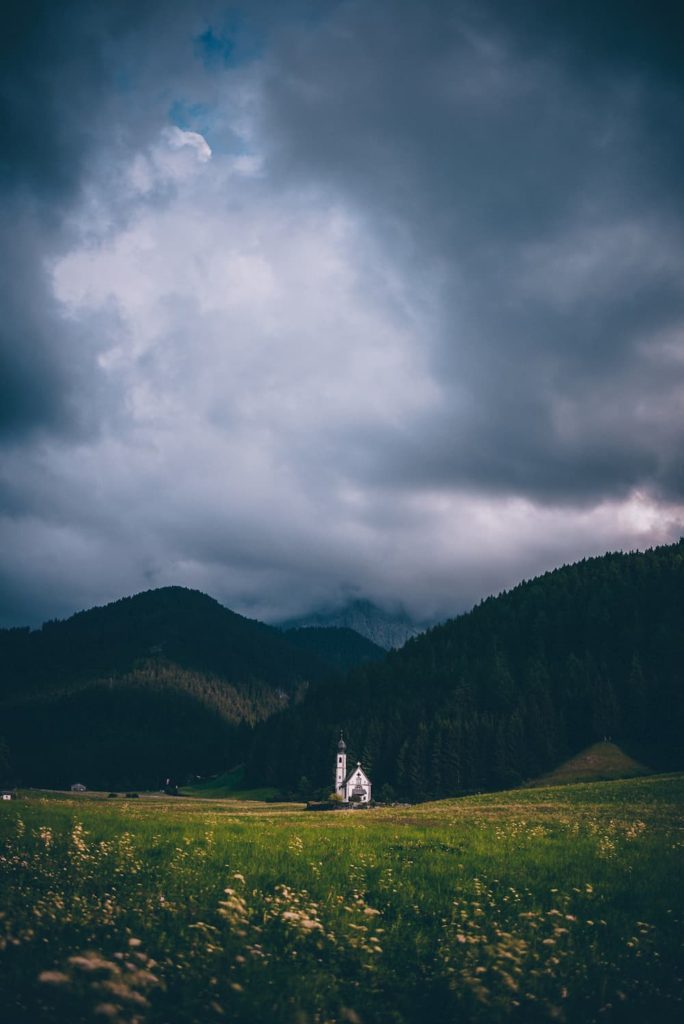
386,629
512,688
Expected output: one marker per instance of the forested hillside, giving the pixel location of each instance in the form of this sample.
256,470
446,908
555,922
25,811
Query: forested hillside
165,683
336,646
508,690
171,683
173,624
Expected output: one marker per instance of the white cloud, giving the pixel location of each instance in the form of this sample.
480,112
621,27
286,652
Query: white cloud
261,312
177,138
173,157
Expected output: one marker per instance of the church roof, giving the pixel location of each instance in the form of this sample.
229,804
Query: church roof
352,773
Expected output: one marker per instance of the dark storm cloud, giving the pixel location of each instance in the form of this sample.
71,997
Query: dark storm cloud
526,157
75,89
52,84
427,290
74,73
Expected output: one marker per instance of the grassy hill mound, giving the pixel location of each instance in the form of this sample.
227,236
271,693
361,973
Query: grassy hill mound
601,762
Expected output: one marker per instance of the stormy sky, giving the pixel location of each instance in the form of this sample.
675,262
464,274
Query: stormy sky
309,301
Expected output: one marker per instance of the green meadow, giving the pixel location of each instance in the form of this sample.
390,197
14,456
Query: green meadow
229,784
555,904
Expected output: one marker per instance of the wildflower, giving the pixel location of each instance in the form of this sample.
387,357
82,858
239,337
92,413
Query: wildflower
92,962
53,978
110,1010
124,993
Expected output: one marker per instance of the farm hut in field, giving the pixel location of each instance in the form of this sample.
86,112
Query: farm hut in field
8,794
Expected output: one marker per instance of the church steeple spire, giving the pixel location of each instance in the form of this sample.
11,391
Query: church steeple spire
341,766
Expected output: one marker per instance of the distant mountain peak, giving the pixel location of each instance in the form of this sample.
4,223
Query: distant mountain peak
387,629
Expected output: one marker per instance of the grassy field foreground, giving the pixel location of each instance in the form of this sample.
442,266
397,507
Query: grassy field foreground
552,904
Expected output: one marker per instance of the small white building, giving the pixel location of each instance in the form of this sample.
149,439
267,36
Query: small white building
354,787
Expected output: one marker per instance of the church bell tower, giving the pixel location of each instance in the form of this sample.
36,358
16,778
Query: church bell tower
341,766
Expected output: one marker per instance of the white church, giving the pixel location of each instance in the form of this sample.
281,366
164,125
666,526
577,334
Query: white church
354,787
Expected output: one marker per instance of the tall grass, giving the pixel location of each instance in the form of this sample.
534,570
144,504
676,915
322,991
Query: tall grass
557,904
